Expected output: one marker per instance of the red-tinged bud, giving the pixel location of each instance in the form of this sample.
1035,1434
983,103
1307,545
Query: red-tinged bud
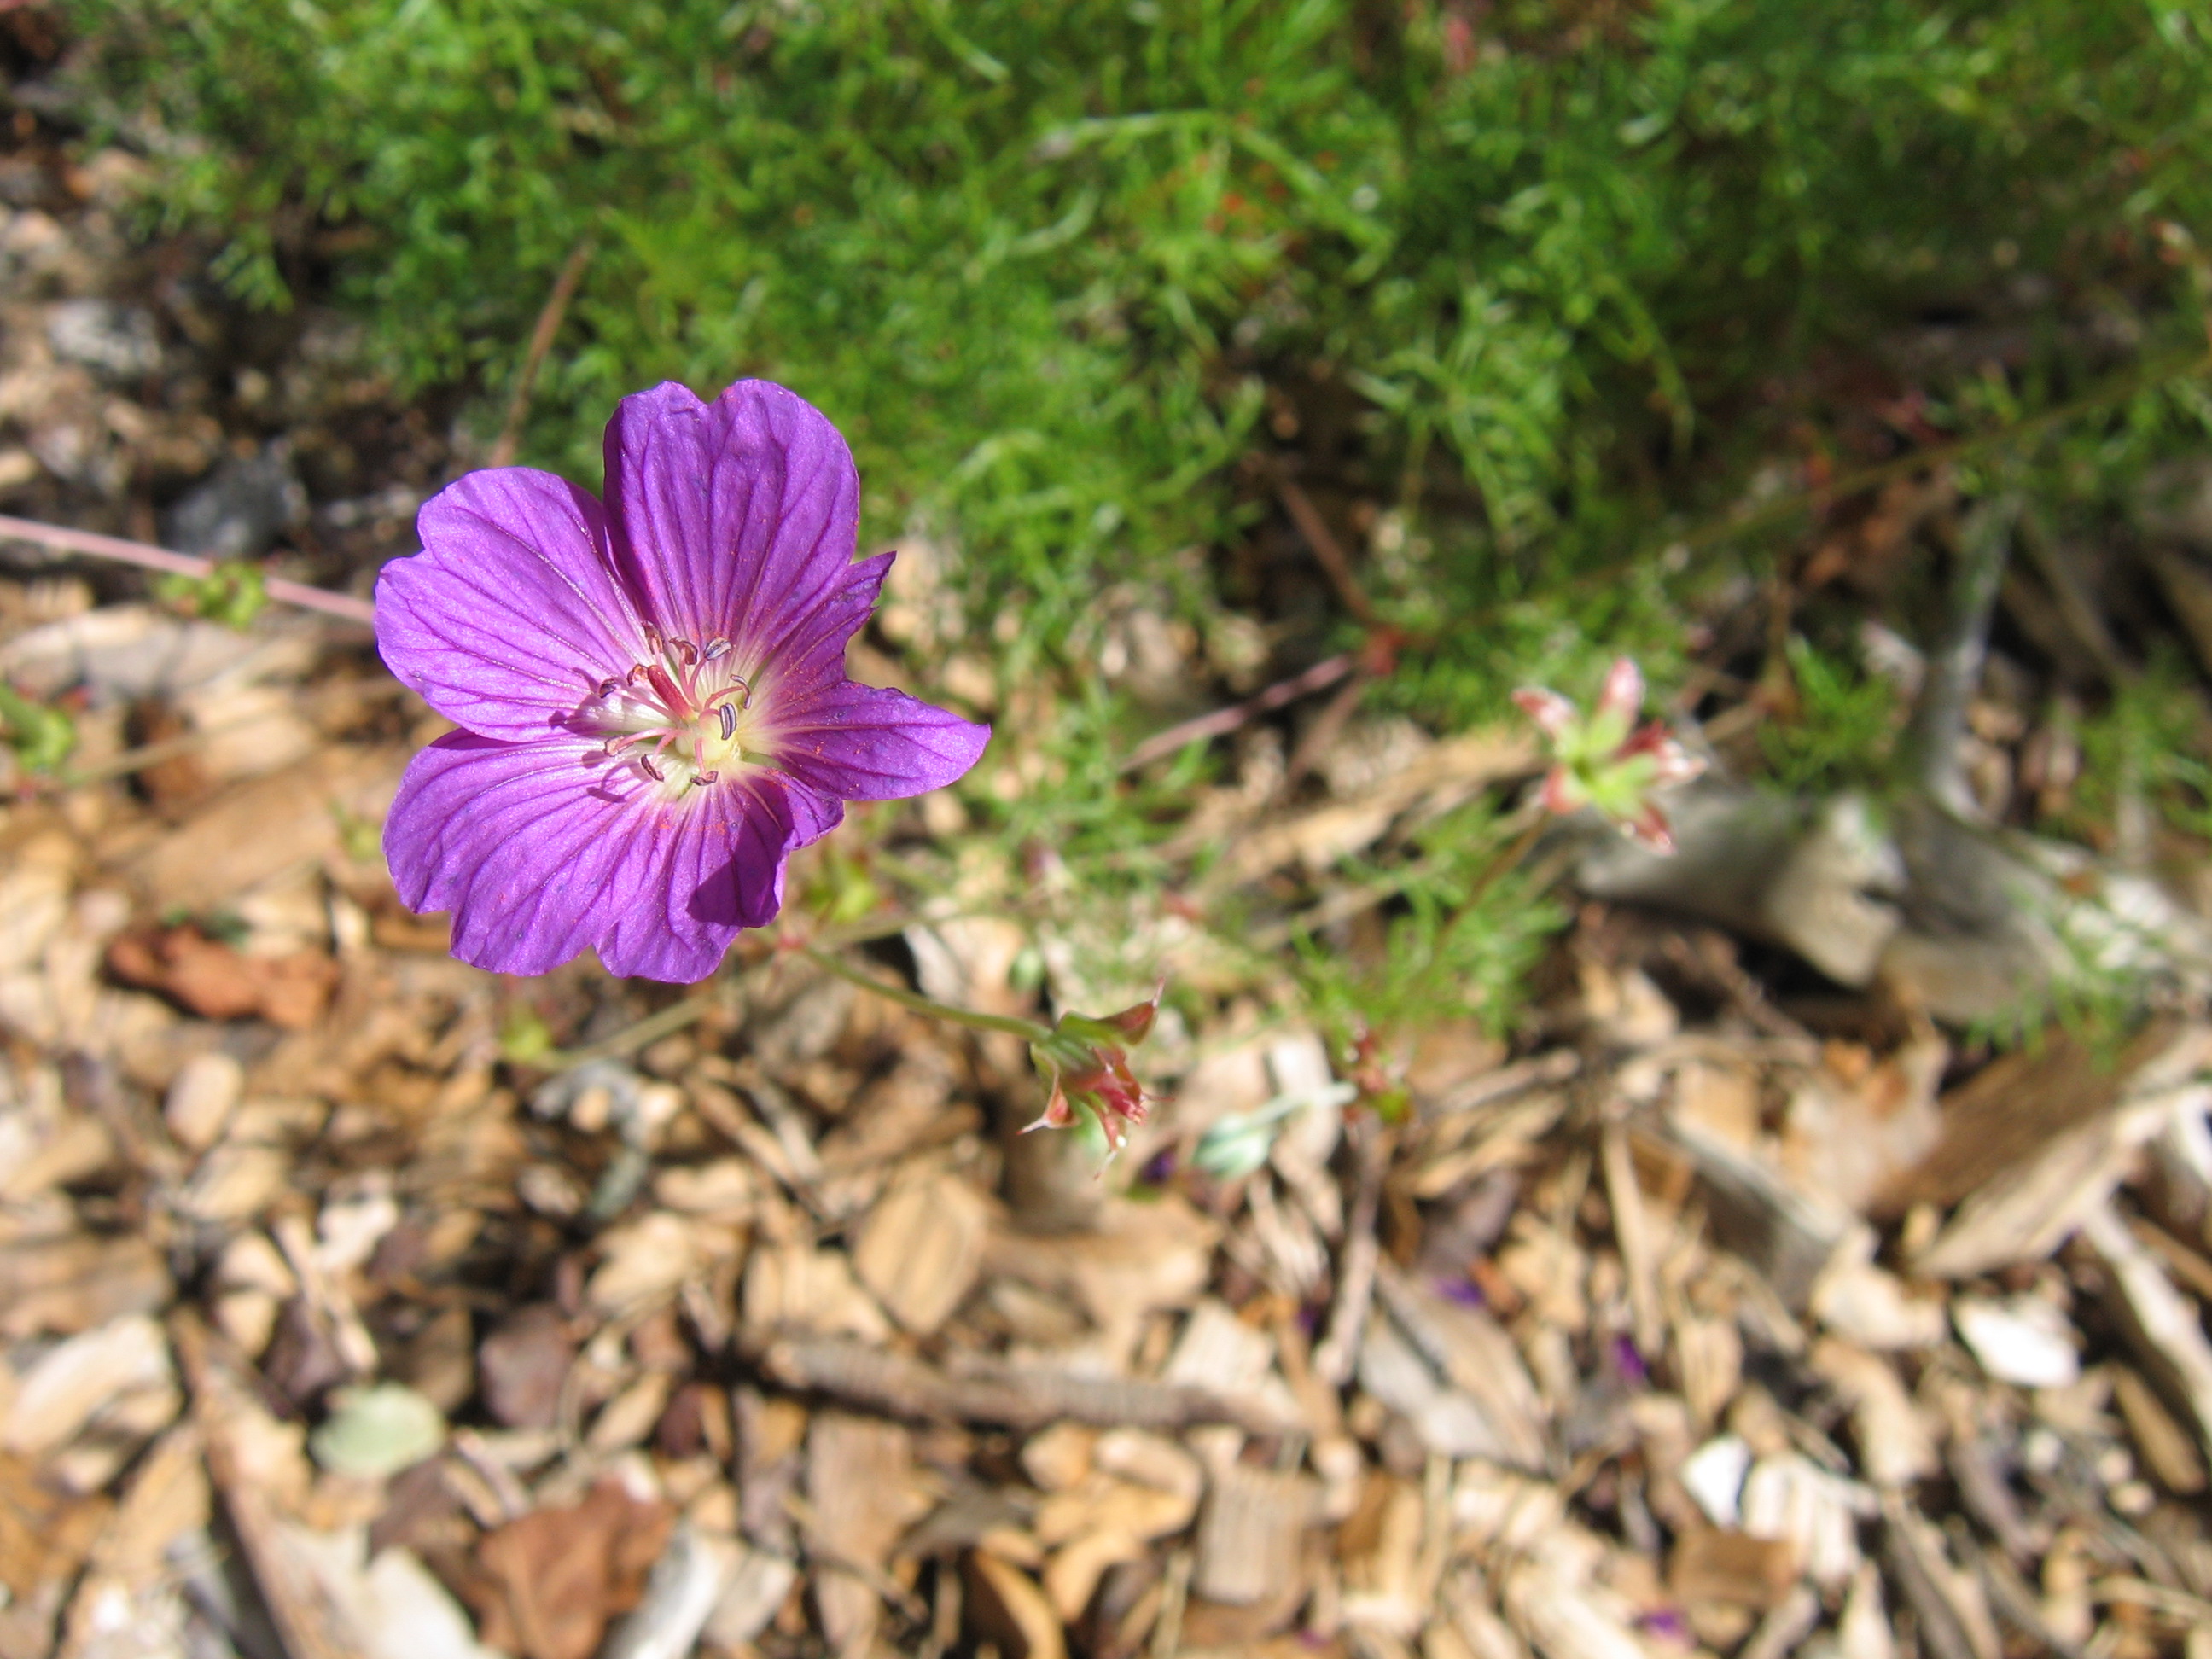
1086,1066
1604,760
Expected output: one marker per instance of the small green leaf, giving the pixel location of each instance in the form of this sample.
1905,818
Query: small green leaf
41,737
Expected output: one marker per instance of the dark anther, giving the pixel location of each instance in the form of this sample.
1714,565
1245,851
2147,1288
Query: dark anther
688,651
608,688
701,780
652,770
716,646
729,722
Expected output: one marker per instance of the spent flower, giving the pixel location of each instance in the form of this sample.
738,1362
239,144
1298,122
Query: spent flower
1605,761
650,691
1085,1063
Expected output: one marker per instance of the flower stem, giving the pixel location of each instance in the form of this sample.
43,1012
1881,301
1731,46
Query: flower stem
1028,1030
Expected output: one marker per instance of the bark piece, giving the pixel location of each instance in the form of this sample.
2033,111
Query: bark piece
1250,1535
77,1282
72,1382
922,1247
2035,1142
1720,1564
1005,1606
687,1584
860,1488
2159,1322
1789,1236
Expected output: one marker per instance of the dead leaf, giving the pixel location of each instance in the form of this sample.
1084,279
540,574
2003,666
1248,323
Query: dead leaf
555,1577
209,978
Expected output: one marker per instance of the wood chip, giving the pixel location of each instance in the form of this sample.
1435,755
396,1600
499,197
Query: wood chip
1005,1606
2165,1332
1250,1533
860,1487
922,1249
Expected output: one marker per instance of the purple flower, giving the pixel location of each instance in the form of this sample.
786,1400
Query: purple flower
651,693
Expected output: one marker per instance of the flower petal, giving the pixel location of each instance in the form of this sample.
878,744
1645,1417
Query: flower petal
734,518
1621,696
511,613
1553,713
862,743
543,849
813,653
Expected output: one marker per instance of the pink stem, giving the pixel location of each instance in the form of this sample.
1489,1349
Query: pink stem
181,564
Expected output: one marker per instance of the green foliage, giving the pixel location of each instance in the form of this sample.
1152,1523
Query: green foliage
42,736
1842,732
1472,927
1038,261
2148,740
232,592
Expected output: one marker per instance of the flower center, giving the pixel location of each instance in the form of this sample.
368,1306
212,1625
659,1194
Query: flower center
681,719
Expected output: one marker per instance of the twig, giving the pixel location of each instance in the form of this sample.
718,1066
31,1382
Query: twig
1327,551
1028,1030
1013,1397
1337,1356
150,557
1955,667
1322,675
1321,736
541,341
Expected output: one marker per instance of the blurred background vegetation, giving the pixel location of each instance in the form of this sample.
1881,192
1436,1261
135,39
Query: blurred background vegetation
1563,313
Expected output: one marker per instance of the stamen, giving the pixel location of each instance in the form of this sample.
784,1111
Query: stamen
686,650
645,762
608,688
729,722
717,646
701,780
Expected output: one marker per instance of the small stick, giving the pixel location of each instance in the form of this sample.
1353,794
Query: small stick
1338,1357
1327,551
1322,675
149,557
1010,1395
1321,736
541,341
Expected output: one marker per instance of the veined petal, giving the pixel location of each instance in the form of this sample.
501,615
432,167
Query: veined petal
511,613
863,743
736,518
545,848
813,653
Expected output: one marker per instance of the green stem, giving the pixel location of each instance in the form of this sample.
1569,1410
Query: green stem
1028,1030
